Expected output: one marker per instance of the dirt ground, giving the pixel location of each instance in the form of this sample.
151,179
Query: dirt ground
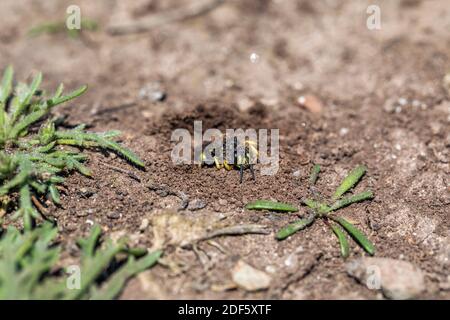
384,105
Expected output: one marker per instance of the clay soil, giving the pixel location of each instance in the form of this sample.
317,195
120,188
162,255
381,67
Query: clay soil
383,105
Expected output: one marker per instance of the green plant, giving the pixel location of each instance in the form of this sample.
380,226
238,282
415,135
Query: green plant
60,27
326,212
271,205
28,266
34,152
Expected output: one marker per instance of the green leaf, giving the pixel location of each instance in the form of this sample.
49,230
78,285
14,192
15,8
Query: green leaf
54,193
25,123
314,174
58,99
32,90
58,91
50,28
127,154
87,139
35,158
27,211
88,244
358,235
114,285
16,181
345,251
81,169
319,207
6,85
350,181
26,259
366,195
271,205
295,226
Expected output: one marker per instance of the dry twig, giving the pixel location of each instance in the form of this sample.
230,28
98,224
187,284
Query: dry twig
190,11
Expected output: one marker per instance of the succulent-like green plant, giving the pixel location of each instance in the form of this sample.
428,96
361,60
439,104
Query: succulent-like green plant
34,152
324,211
28,266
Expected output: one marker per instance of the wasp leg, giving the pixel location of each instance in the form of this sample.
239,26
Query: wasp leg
202,159
252,170
218,165
241,173
226,165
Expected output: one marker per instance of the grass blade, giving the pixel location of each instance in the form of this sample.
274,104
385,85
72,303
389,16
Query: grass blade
349,181
342,240
357,234
295,226
271,205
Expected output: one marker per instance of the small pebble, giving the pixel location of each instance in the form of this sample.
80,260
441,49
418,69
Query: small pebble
113,215
249,278
84,213
389,106
343,131
245,104
311,102
416,103
144,224
270,269
85,192
402,101
70,226
397,279
152,92
196,204
254,58
291,260
223,202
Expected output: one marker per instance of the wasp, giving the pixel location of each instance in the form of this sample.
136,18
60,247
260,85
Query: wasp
237,155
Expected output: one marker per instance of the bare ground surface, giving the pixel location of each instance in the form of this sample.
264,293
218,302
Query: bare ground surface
384,105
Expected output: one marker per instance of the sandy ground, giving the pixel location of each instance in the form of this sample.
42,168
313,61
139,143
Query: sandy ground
383,105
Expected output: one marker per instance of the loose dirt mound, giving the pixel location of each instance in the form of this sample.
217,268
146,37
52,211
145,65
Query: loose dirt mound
383,105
